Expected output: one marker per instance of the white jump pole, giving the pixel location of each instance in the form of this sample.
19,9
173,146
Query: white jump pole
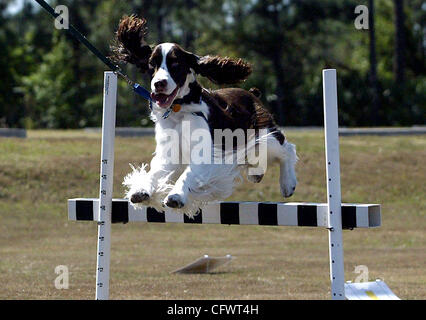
331,129
106,183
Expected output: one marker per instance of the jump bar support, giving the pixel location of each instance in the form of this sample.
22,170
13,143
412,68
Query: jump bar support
106,185
331,128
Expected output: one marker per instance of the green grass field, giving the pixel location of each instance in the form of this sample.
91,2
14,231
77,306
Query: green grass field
39,174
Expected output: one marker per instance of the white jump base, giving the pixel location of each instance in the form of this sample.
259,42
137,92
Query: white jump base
374,290
333,215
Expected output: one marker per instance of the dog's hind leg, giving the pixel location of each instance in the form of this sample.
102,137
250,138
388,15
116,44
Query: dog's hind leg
285,153
288,179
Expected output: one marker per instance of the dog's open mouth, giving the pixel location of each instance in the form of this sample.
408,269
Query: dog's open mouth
164,100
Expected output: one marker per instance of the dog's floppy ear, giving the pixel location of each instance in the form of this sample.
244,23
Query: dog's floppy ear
222,70
130,45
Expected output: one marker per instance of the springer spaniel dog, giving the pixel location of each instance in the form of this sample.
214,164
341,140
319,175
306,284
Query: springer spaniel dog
182,109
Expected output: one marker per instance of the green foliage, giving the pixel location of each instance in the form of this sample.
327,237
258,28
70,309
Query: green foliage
52,81
50,91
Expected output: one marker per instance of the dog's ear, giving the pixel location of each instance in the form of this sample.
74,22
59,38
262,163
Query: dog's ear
130,45
222,70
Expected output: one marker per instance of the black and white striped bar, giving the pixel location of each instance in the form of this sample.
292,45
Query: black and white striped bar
243,213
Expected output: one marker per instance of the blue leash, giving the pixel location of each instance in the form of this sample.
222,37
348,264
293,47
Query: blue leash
115,68
82,39
141,91
136,87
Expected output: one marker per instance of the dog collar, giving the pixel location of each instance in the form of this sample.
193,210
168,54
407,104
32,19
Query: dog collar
175,108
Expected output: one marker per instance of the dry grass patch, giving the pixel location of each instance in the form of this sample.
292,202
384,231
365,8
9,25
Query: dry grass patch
39,173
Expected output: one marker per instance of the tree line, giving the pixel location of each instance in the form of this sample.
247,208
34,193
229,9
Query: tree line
49,80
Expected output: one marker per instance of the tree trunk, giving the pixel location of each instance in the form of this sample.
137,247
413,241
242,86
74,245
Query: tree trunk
277,56
399,64
160,27
189,36
375,107
279,91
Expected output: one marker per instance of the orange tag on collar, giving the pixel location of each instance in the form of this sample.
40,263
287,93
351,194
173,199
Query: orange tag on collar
176,107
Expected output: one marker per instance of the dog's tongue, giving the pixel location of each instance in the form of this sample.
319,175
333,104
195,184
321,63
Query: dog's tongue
163,100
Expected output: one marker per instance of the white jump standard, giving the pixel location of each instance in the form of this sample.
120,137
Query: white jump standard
332,215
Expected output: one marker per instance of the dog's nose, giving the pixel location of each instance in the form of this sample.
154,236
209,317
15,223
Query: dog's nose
161,84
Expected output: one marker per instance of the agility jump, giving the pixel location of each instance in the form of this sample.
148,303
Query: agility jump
333,215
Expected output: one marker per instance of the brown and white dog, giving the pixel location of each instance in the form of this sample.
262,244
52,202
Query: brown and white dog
178,99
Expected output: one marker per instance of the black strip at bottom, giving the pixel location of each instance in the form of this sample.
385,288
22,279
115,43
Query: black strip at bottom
267,213
307,216
197,218
153,215
348,217
84,210
230,213
120,212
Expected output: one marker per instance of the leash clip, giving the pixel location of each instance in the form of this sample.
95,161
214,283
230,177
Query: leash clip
167,113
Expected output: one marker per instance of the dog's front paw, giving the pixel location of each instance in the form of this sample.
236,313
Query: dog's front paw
139,197
174,201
